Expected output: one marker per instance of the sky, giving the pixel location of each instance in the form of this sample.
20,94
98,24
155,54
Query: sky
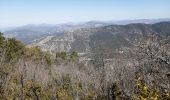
22,12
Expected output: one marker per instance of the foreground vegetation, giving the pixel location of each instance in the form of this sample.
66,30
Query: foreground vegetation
141,72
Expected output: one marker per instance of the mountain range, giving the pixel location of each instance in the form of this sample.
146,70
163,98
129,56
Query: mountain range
31,32
106,39
91,37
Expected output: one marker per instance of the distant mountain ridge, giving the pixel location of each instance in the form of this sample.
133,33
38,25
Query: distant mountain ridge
31,32
28,33
144,21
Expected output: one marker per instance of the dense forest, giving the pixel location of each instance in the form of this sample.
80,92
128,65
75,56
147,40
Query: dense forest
141,72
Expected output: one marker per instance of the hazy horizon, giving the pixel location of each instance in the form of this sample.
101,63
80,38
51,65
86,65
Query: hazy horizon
22,12
71,22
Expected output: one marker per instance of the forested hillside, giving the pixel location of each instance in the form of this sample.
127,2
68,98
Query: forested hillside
110,38
141,72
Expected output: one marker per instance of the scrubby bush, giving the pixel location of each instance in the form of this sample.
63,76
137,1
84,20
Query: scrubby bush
34,52
61,55
73,56
143,92
13,49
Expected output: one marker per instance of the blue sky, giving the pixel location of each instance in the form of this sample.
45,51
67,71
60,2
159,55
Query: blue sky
21,12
